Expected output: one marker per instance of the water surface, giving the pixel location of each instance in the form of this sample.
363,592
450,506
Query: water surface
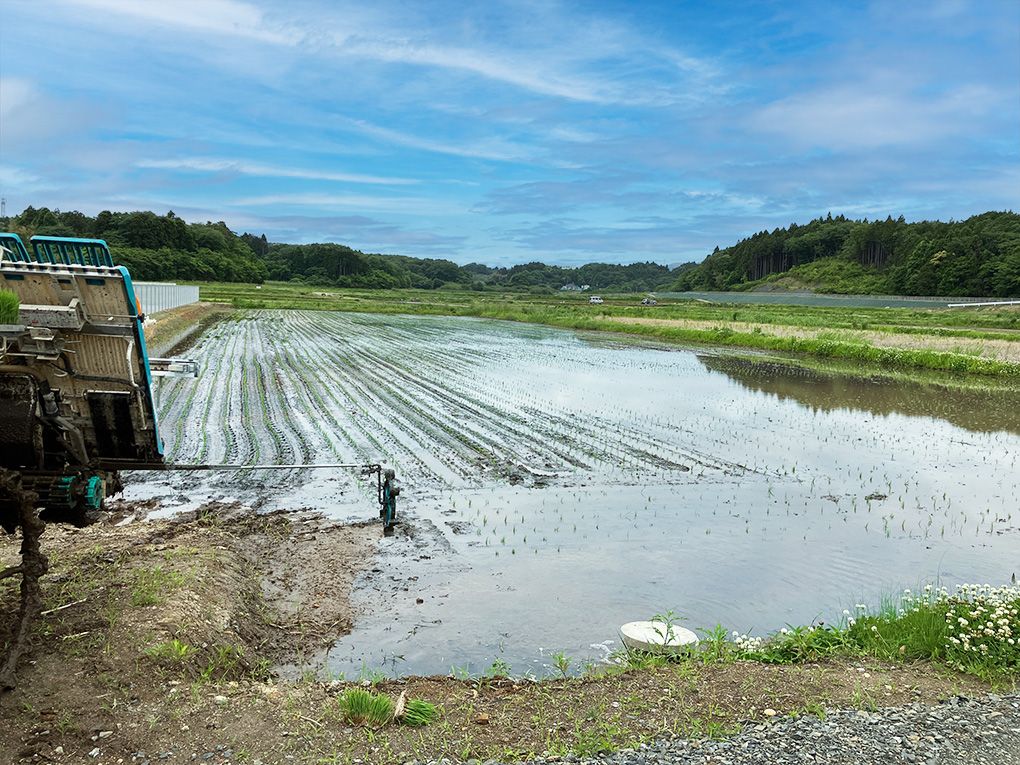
558,484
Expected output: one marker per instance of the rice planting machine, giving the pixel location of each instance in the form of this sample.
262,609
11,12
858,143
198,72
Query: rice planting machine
76,396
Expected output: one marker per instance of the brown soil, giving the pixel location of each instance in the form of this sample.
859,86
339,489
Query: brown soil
1001,350
149,617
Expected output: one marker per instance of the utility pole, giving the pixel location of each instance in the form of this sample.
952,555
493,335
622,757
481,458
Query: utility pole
3,207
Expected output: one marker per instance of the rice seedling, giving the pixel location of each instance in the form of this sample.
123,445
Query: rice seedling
362,707
418,713
9,307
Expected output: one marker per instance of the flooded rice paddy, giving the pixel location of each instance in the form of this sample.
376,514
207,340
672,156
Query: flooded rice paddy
558,484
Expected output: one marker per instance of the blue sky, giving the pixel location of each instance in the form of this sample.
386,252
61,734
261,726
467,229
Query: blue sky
509,132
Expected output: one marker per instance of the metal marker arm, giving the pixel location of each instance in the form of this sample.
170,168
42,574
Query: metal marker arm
368,468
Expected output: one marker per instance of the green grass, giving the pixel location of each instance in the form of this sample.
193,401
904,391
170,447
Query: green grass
9,305
360,707
573,312
151,585
975,630
171,652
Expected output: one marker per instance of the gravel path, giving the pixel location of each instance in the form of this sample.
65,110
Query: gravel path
960,731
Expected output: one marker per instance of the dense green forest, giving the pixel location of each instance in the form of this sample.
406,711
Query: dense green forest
156,247
979,256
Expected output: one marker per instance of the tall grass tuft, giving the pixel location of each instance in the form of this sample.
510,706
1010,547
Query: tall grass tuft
9,305
361,707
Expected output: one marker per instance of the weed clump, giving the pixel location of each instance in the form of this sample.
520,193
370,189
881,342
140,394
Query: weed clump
172,652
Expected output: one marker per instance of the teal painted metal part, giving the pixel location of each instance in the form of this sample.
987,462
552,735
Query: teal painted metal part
77,491
69,251
92,492
62,491
132,299
15,248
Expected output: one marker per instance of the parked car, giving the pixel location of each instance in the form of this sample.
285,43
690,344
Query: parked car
596,300
649,301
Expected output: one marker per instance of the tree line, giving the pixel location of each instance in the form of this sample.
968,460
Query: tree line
165,247
979,256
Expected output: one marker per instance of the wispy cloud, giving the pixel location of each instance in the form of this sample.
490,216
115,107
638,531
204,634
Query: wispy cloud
212,17
416,205
517,71
494,149
15,176
866,116
242,167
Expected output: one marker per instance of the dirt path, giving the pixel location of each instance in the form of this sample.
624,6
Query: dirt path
148,617
1001,350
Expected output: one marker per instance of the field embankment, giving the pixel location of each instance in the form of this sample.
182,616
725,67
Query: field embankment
972,340
175,330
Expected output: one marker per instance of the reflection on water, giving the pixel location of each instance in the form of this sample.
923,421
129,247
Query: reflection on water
984,410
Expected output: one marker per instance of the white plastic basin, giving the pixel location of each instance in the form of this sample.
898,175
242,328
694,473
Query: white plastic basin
657,637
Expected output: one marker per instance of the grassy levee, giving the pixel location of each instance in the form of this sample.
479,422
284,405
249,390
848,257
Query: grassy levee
764,327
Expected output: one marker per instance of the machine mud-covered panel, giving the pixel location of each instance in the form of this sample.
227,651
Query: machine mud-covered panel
76,398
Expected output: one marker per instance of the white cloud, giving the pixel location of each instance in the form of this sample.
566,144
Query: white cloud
15,95
212,165
553,66
531,74
492,149
219,17
862,116
15,177
408,205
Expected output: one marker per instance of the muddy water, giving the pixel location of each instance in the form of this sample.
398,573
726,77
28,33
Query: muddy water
557,485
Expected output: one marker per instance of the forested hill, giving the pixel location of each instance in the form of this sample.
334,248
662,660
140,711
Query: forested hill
165,247
979,256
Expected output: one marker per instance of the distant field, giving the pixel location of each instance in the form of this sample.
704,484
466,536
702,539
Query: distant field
819,299
970,340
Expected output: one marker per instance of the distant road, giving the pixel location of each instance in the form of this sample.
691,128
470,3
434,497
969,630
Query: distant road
811,298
